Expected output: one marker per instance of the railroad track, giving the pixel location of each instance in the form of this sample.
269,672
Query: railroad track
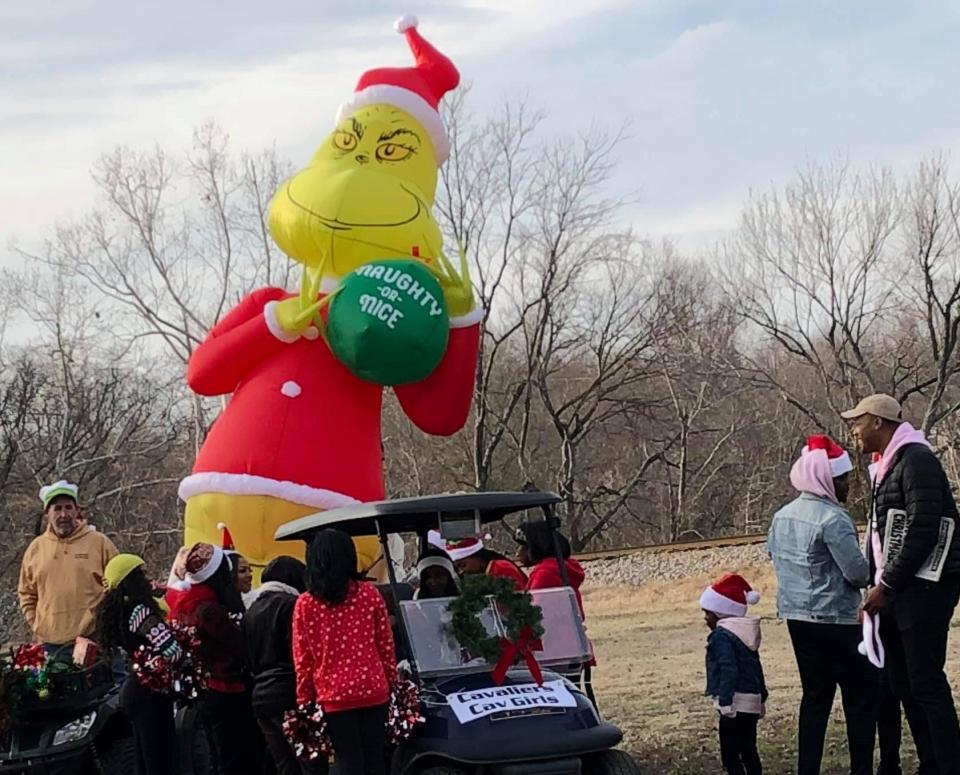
681,546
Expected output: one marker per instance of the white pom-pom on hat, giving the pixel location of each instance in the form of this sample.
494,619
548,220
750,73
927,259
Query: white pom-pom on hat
404,23
753,597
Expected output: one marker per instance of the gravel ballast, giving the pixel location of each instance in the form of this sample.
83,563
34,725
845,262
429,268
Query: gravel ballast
654,565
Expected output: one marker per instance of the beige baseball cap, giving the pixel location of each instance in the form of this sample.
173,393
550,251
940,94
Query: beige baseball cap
879,405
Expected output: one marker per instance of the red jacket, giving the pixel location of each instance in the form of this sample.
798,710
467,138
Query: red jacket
508,570
221,642
546,575
299,426
343,654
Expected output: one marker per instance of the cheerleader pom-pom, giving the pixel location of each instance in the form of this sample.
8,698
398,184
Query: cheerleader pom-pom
305,728
403,711
183,679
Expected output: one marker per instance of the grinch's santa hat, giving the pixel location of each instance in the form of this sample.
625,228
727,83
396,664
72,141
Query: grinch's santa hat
227,540
729,595
837,456
416,90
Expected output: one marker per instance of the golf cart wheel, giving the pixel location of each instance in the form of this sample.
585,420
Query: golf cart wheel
611,762
117,757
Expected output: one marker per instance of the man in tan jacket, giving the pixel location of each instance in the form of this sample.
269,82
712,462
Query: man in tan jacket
61,578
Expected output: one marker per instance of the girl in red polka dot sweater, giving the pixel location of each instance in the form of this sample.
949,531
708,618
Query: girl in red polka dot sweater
343,654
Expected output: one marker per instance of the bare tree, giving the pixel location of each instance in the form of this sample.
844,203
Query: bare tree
931,315
487,191
810,269
173,244
704,412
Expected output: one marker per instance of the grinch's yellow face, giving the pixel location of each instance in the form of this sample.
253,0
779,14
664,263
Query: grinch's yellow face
366,195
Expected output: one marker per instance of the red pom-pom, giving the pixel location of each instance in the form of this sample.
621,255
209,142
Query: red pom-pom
403,711
306,730
183,679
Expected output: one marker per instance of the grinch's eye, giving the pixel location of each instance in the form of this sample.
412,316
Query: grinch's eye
344,141
393,152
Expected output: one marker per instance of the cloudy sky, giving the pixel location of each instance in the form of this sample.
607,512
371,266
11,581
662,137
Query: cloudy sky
722,96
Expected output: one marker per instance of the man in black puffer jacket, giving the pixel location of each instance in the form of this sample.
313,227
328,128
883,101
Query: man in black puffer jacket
912,494
268,633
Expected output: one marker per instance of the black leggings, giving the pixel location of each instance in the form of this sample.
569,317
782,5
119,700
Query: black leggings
359,739
738,744
240,746
154,735
285,761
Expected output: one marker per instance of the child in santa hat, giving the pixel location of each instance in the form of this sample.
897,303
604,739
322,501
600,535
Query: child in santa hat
734,673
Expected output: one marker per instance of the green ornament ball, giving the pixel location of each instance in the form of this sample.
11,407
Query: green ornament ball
388,322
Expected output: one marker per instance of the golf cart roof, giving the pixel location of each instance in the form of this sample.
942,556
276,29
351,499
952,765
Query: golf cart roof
413,515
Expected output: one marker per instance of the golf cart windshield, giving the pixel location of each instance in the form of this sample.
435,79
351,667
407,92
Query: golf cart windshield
437,653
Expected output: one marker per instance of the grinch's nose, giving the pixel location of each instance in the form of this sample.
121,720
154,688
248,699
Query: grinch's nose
362,158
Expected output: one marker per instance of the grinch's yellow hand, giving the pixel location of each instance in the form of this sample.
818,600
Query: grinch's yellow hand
293,317
457,287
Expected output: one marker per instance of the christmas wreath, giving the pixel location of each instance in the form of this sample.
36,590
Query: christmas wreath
522,621
28,675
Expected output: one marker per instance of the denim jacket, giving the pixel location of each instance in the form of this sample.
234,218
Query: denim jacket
734,673
820,567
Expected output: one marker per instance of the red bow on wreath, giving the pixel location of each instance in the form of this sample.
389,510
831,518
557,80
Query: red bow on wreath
510,651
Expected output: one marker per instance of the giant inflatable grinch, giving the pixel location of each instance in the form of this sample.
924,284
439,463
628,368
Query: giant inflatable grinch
306,371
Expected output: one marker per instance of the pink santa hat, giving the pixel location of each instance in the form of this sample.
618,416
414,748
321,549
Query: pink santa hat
729,595
416,90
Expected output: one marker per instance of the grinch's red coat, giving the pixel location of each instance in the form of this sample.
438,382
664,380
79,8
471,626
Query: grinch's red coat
299,426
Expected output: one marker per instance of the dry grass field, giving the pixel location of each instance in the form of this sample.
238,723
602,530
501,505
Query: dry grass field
650,678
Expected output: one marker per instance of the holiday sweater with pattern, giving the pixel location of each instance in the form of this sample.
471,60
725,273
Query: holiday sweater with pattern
146,628
343,654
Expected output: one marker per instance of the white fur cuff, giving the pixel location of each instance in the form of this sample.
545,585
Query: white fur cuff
273,325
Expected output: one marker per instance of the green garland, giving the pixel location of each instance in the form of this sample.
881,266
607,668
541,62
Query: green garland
516,610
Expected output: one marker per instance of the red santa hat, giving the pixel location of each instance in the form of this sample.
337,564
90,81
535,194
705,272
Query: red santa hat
729,595
416,90
227,541
202,562
836,455
463,548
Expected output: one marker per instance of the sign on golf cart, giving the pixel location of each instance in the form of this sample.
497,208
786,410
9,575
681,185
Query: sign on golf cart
479,703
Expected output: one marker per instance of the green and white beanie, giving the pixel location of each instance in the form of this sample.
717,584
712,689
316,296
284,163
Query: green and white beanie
63,487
